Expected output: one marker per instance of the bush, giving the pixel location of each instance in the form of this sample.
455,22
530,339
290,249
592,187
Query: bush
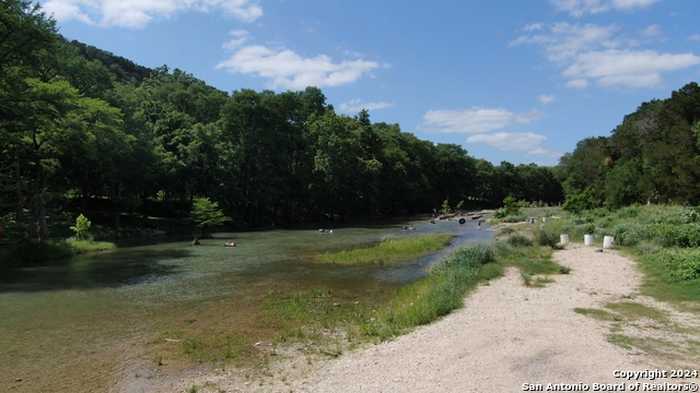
81,229
681,265
584,200
511,207
519,241
628,234
547,237
690,215
519,217
683,235
629,212
478,254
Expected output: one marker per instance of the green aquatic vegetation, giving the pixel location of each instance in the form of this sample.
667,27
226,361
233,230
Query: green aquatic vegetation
388,251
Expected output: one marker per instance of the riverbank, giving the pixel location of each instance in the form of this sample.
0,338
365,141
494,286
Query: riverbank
506,334
606,298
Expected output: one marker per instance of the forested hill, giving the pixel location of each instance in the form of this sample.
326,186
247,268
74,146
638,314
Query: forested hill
123,70
83,130
653,156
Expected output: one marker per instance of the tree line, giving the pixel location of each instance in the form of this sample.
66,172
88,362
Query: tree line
653,156
84,130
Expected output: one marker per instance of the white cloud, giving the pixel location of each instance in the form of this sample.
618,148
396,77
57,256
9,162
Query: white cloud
652,31
536,26
356,105
564,40
66,10
138,13
579,8
627,68
287,69
528,142
593,53
577,83
238,38
545,99
474,120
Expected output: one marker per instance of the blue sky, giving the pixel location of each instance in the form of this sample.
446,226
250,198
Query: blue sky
521,81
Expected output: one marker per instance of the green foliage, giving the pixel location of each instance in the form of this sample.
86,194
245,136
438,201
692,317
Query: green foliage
81,122
578,202
445,207
547,237
680,264
436,295
206,213
81,229
518,240
652,156
675,235
628,234
388,251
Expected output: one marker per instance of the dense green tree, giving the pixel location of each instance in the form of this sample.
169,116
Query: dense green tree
652,156
85,130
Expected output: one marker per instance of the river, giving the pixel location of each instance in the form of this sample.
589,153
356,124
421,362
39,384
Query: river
76,326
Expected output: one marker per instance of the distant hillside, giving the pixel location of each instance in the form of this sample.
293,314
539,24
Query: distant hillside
124,69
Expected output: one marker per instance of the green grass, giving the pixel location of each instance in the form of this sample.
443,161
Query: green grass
85,246
442,291
531,260
388,251
596,313
635,311
216,347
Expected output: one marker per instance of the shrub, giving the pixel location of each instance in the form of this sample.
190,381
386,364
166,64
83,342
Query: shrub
681,265
683,235
501,213
629,212
628,234
690,215
520,217
511,210
81,229
581,201
479,254
545,237
519,241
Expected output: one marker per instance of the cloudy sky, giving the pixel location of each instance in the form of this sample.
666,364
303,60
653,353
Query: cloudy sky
509,80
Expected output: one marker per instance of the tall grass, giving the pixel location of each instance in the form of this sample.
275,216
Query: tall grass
442,291
388,251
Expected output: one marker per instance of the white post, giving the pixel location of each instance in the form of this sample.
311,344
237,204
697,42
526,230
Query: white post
608,242
588,240
563,239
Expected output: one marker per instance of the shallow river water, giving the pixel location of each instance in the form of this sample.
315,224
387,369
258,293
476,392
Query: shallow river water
72,327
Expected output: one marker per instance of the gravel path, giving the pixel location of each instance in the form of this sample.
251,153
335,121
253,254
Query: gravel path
506,335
